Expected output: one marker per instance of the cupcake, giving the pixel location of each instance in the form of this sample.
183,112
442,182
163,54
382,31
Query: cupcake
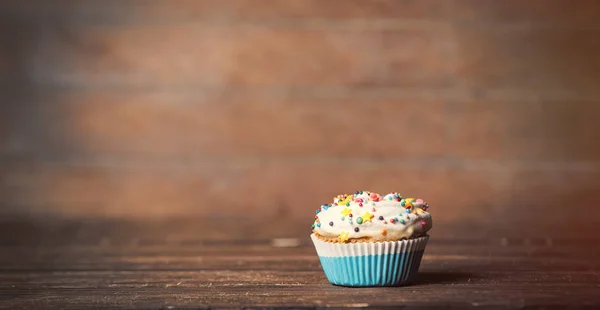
365,239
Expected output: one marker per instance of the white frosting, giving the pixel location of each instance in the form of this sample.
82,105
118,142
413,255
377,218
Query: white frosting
390,220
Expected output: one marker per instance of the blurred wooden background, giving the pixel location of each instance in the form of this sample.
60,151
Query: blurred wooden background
129,109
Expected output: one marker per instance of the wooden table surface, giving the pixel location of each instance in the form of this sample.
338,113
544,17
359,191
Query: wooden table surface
51,263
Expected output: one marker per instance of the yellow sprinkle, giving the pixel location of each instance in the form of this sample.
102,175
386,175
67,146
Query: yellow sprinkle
344,236
346,211
367,217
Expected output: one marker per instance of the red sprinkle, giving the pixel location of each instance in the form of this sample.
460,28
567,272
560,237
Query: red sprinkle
360,204
423,223
392,221
350,215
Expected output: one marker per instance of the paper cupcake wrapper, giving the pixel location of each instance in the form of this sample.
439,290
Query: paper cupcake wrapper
390,263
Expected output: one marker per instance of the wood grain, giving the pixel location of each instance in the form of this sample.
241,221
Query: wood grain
140,265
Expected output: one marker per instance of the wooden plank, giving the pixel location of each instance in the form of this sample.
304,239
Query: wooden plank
172,126
136,11
530,131
528,58
287,189
554,14
558,12
224,188
218,55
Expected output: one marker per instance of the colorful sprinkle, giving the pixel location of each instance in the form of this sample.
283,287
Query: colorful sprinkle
343,236
360,204
407,210
423,223
392,221
367,217
356,229
381,218
318,224
402,203
350,215
330,223
384,232
402,221
346,211
318,210
359,220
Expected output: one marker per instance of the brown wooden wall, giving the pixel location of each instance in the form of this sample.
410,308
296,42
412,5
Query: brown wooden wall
488,109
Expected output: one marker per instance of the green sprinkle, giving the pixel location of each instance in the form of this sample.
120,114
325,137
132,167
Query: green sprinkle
359,220
402,221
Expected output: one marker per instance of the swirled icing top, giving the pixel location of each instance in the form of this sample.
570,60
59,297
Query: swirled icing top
367,214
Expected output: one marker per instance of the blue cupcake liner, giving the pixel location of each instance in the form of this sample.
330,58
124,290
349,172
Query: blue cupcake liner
390,263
